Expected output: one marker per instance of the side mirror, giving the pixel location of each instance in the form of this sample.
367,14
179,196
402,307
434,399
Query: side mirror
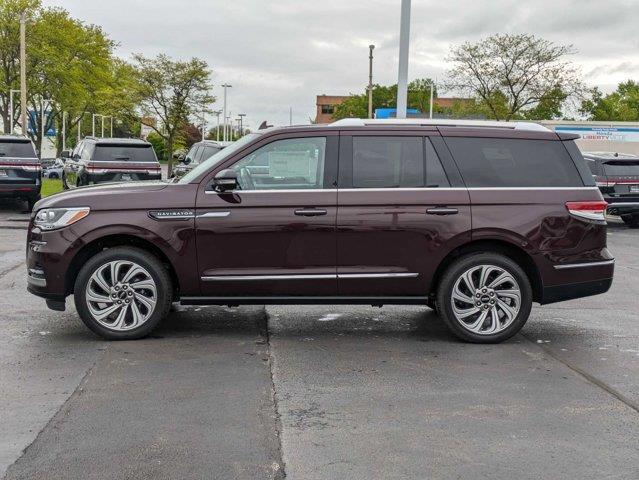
226,180
65,154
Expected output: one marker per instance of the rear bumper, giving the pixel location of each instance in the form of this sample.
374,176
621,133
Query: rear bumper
93,178
559,293
16,190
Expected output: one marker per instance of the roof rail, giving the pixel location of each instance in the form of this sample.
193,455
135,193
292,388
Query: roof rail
359,122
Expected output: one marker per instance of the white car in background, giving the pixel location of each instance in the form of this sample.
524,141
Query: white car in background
53,170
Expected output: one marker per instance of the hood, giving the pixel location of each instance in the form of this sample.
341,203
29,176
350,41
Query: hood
123,196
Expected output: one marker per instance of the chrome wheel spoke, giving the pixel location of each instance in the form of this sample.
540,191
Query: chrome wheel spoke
486,299
115,303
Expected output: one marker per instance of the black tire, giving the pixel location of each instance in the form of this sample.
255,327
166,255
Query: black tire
146,260
455,271
53,176
631,220
31,201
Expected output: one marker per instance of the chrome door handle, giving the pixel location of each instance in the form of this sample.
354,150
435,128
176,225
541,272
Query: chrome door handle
442,211
310,212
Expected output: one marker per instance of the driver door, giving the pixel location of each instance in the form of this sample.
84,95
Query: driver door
273,236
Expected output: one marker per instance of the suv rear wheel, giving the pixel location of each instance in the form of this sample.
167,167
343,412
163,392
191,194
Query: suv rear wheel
123,293
484,298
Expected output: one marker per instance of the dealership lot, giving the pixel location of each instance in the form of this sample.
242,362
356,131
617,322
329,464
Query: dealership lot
320,392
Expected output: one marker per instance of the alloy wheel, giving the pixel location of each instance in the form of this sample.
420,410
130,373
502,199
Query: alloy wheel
486,299
121,295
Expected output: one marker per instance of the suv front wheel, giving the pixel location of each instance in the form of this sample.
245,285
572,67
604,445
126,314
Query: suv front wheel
484,298
123,293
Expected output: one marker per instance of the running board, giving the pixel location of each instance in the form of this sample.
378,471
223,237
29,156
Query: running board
299,300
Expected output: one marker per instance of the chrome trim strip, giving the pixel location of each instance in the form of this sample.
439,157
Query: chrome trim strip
584,265
401,189
312,276
233,278
214,214
621,204
378,275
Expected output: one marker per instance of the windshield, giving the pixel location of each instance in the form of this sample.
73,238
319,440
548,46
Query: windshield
622,168
218,157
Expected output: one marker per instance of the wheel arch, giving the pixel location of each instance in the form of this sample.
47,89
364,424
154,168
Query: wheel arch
117,240
510,250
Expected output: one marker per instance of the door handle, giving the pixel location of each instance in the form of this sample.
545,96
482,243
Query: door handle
310,212
442,211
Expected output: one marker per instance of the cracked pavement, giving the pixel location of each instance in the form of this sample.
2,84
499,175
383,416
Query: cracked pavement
320,392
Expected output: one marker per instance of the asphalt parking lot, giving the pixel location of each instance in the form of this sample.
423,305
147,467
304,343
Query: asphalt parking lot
319,392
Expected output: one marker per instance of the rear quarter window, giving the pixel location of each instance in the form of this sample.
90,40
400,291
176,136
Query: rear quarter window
499,162
17,150
121,153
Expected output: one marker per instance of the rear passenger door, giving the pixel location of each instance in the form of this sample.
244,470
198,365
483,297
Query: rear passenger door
401,208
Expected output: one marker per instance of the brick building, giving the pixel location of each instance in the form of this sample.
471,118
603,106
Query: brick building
325,106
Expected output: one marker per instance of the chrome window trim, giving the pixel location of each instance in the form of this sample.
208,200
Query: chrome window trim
311,276
584,265
401,189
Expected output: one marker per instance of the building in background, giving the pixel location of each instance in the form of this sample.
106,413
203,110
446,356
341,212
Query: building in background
326,105
621,137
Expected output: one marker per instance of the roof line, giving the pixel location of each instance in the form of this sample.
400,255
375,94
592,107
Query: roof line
359,122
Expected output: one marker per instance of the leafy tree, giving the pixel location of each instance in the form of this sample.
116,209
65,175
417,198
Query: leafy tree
514,74
172,91
10,11
620,105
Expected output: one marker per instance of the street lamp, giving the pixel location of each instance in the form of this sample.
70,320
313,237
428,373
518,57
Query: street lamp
225,87
241,115
217,114
370,80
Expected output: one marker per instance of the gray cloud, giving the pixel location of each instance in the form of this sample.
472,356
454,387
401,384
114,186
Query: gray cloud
281,53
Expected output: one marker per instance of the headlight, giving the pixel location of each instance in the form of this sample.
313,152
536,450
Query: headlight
53,218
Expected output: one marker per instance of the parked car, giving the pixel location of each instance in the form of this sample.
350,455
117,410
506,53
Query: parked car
19,169
476,219
53,169
617,176
102,160
198,153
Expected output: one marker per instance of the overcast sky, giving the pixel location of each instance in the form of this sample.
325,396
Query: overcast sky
281,53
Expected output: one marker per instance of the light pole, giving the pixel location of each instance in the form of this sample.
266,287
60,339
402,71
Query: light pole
11,122
241,115
402,74
23,73
370,80
64,130
432,87
226,85
217,114
111,126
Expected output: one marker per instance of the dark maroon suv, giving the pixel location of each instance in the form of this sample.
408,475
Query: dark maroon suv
477,220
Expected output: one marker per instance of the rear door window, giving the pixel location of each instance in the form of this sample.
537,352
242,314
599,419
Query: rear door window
500,162
124,153
396,162
16,150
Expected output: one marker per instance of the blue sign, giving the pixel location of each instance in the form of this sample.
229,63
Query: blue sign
392,112
34,118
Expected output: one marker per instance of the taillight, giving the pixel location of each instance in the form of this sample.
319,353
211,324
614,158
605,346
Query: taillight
99,171
595,210
32,168
604,182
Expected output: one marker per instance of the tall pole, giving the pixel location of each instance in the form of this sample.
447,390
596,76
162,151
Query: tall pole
370,80
111,126
432,87
225,87
93,125
64,130
217,114
79,130
42,122
290,115
23,73
102,130
402,76
241,115
11,110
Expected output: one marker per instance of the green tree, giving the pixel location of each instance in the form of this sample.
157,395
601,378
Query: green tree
513,74
172,91
620,105
10,11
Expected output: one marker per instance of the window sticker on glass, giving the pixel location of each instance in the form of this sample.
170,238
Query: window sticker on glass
289,164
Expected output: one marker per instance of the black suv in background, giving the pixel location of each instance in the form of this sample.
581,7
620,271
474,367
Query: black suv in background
19,169
101,160
617,176
199,152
